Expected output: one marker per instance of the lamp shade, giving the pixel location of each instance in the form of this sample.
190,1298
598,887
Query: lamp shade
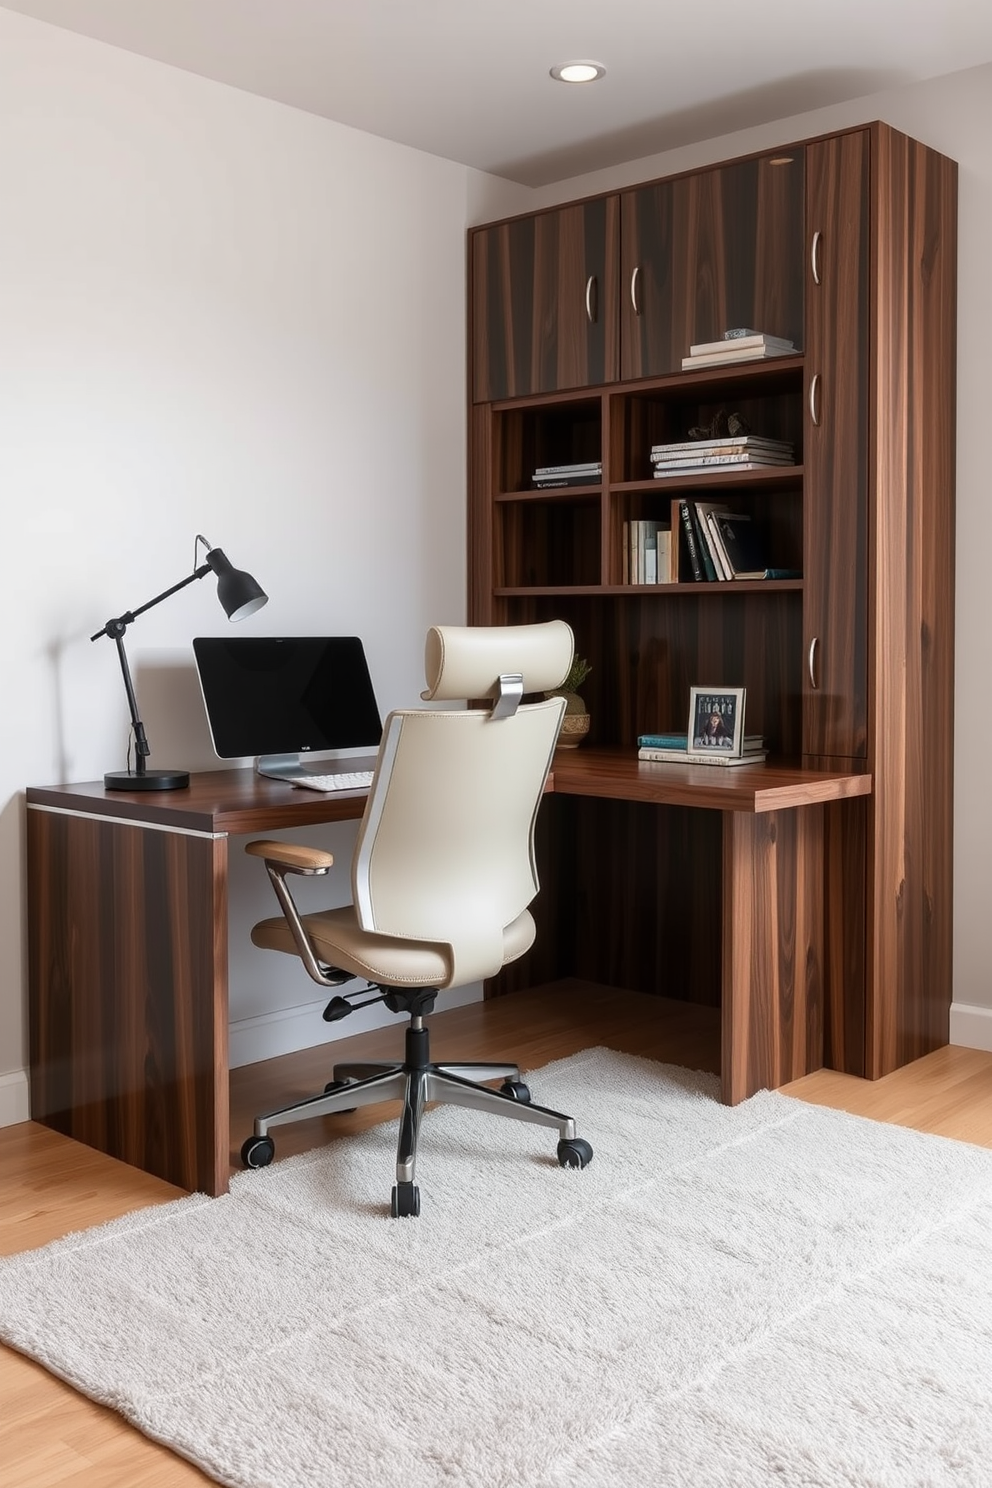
237,591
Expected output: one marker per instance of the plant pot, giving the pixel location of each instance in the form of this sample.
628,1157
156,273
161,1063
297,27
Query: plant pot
575,724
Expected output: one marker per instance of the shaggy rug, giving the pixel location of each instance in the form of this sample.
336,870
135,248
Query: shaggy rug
770,1294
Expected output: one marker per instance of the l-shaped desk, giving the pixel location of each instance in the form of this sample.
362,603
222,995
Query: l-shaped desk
128,939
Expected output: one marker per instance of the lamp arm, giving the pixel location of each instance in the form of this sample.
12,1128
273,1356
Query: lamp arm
116,628
142,749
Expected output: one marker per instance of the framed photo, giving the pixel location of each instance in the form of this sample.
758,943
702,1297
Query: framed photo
716,721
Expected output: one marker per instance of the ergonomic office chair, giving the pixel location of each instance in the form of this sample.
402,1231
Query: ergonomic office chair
443,872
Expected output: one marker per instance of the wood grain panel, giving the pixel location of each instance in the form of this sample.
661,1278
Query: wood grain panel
712,250
835,445
915,262
127,946
544,301
773,987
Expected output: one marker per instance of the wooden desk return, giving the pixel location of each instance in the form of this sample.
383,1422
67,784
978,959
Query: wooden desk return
128,939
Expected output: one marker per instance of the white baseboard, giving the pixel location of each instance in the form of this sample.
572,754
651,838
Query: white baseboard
971,1027
268,1035
15,1105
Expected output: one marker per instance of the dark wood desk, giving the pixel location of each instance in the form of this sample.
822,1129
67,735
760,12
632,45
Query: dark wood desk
128,932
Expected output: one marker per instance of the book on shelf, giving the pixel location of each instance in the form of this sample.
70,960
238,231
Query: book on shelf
734,355
742,339
580,467
742,545
706,461
699,467
647,552
727,442
700,562
543,482
680,757
678,740
703,511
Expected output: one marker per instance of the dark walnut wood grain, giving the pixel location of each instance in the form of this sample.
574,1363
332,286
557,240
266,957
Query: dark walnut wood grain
705,252
544,301
835,449
127,928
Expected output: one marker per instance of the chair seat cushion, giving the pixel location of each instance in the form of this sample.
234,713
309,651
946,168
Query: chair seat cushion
338,940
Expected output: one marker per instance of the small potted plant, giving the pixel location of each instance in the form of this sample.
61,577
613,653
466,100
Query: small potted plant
575,723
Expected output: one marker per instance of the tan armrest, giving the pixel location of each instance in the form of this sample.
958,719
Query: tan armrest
292,856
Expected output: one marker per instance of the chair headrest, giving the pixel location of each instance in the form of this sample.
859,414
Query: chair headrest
466,661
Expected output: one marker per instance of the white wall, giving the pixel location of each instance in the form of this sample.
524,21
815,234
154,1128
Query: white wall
217,314
221,316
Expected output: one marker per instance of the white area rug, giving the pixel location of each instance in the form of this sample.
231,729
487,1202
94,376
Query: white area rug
770,1294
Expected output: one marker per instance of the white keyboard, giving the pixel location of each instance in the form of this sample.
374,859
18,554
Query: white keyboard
347,780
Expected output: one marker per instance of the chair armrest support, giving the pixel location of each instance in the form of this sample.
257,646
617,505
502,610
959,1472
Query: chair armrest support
291,857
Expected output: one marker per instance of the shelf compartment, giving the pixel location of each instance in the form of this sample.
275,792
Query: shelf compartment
563,432
548,543
666,413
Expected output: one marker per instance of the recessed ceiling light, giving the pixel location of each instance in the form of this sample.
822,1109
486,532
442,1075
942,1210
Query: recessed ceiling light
578,72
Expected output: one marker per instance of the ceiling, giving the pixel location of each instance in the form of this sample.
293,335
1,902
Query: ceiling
470,81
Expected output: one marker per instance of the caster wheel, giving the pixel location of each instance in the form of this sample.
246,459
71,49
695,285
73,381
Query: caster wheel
574,1153
516,1090
406,1201
258,1152
330,1088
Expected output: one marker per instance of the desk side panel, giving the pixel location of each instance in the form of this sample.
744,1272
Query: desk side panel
773,949
127,944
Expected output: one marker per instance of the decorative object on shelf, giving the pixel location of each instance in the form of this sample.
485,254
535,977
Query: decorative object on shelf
575,724
716,722
721,425
240,595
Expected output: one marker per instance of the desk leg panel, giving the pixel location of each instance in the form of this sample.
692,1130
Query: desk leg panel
773,950
127,946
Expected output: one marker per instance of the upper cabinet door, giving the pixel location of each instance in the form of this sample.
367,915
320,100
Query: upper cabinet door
544,302
836,449
706,253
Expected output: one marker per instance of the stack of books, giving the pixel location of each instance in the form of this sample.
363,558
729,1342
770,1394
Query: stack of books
583,473
673,749
720,456
648,552
742,345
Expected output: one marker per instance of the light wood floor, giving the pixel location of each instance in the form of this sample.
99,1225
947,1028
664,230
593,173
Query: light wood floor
50,1437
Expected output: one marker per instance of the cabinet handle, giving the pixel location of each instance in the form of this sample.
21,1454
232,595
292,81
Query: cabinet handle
634,280
814,256
591,299
814,402
811,663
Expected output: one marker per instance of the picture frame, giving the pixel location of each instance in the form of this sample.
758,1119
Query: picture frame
716,722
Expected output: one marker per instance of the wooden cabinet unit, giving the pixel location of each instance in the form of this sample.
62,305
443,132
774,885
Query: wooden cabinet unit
544,300
705,252
845,245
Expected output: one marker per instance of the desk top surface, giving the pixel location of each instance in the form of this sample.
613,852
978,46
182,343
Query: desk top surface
241,801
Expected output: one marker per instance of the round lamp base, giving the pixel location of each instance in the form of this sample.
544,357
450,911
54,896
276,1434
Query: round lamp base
151,780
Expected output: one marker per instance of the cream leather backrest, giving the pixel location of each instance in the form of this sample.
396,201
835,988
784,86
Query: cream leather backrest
445,851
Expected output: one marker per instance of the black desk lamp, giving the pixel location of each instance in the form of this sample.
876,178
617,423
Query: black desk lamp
240,596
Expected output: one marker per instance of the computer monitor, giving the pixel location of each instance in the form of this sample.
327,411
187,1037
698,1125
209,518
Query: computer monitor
283,697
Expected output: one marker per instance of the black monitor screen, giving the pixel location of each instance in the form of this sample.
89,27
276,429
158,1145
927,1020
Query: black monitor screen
286,695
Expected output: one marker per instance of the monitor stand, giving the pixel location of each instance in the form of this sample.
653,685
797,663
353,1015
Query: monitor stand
288,767
292,768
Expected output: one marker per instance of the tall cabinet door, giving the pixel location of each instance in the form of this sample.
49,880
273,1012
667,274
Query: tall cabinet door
835,449
544,302
704,253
